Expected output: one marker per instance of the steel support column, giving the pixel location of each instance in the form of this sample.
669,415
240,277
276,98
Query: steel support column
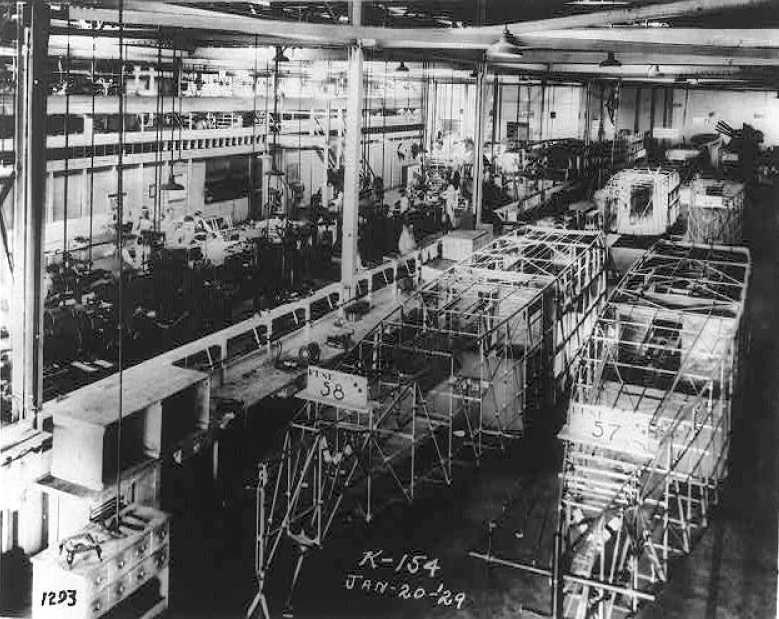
29,202
325,179
478,141
349,262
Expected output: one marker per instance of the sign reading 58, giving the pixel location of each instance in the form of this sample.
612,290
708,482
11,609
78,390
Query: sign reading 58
339,388
331,388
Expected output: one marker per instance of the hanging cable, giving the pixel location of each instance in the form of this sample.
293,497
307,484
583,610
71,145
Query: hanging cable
92,152
158,111
253,155
180,118
66,129
266,198
276,129
384,128
528,109
516,118
120,245
312,123
365,143
617,95
300,130
451,114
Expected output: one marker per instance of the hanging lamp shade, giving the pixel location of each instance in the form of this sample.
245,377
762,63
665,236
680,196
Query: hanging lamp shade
171,184
280,57
610,61
506,45
401,68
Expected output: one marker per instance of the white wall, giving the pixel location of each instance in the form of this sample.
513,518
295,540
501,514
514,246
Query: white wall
694,110
537,105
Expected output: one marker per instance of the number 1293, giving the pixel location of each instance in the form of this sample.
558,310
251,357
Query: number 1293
63,596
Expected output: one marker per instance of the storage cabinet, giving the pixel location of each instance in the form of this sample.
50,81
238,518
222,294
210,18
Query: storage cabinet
133,557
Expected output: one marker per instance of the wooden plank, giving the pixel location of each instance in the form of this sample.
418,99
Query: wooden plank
256,377
159,13
142,385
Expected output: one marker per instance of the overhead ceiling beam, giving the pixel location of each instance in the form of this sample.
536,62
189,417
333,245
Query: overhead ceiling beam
645,57
80,46
630,70
718,37
156,13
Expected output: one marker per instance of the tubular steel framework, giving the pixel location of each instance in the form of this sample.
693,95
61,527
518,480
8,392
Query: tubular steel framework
647,435
716,212
461,367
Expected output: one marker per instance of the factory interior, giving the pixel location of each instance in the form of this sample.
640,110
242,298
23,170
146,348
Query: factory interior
389,308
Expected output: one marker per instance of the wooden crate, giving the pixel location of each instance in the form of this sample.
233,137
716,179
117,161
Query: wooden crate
460,244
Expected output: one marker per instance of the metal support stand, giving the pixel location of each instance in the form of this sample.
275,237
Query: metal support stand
259,602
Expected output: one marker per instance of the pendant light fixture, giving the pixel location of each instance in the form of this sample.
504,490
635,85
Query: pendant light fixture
171,184
401,68
610,61
507,45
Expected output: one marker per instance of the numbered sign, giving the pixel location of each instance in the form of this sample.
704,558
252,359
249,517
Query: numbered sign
337,388
601,426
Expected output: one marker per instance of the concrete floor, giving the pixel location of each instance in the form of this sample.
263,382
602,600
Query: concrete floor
731,573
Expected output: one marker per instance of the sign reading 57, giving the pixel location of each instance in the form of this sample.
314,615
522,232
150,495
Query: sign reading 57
618,430
334,387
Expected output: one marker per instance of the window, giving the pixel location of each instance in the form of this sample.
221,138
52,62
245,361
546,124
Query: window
73,205
227,178
55,124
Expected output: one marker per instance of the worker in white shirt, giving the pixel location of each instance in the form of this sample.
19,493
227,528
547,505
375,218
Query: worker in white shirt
144,222
168,225
337,204
130,254
144,229
451,195
186,233
403,203
406,242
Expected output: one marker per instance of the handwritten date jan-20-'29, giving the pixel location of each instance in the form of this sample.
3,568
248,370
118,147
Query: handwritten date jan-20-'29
405,591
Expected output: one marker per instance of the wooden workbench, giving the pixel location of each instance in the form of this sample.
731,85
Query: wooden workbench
255,377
